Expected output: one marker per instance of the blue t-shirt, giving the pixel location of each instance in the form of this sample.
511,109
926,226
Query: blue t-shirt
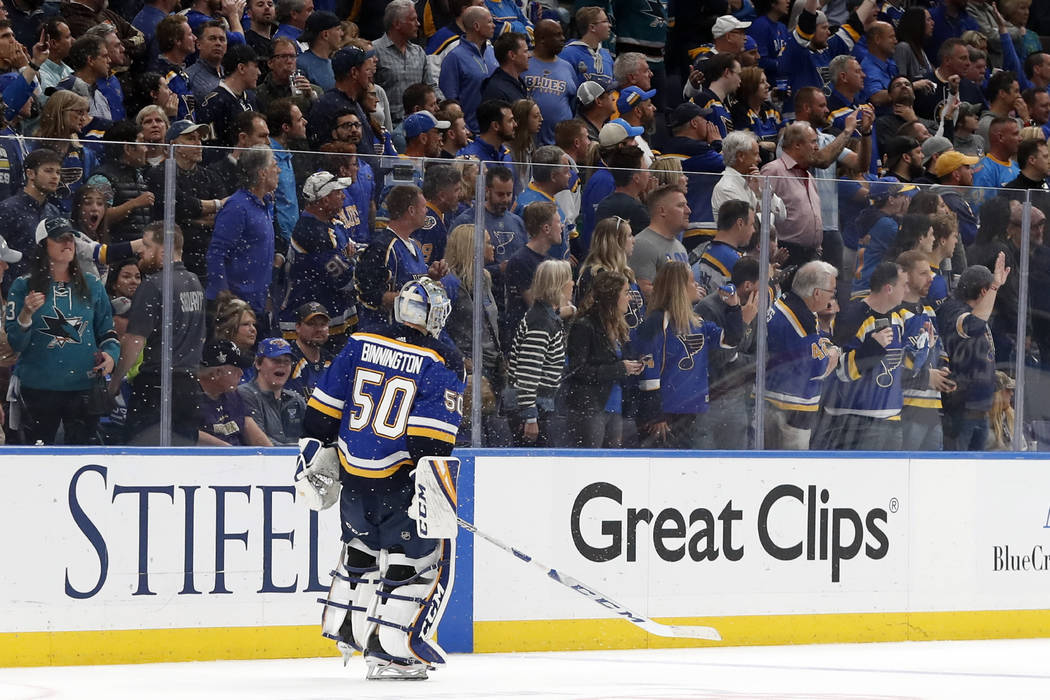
317,69
552,86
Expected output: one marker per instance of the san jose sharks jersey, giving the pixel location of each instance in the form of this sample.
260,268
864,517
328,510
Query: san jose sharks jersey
674,377
57,350
388,399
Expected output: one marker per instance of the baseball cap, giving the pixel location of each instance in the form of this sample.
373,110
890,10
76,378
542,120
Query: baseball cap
935,145
318,21
726,24
631,96
349,57
310,309
617,130
1004,380
7,253
422,122
951,161
883,188
185,126
274,347
323,183
686,112
54,227
588,92
897,147
750,44
223,352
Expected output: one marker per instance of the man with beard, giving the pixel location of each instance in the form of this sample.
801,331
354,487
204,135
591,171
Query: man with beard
276,409
497,129
309,357
262,24
928,375
187,324
903,158
353,69
901,112
504,228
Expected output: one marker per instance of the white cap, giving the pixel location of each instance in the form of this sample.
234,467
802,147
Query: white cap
726,24
323,183
7,253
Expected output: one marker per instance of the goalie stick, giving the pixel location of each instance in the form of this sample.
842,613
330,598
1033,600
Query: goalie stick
647,624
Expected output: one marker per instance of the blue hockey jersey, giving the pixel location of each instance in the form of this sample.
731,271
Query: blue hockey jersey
868,379
588,63
321,271
803,66
674,377
700,161
797,359
715,266
390,392
921,353
385,266
433,235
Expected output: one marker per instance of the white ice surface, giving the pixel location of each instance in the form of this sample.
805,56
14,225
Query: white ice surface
990,670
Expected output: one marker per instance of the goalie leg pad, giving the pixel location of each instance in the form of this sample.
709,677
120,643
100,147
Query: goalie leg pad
434,497
412,600
352,595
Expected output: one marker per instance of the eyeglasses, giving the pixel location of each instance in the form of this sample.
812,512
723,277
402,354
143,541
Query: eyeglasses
348,125
829,291
283,55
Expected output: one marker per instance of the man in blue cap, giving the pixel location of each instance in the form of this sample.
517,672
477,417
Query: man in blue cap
637,109
276,410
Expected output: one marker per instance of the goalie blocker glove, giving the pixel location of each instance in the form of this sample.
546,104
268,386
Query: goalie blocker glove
317,474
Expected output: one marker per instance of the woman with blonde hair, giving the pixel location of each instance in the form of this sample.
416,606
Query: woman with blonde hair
459,283
154,123
64,115
668,171
537,357
611,247
673,342
598,368
529,119
235,321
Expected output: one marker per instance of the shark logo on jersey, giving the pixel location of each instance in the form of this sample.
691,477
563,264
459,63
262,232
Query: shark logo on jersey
61,328
693,343
656,9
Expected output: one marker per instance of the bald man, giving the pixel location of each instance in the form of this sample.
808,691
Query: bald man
465,68
878,65
551,81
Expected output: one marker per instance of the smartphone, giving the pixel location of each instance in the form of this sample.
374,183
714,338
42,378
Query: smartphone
881,323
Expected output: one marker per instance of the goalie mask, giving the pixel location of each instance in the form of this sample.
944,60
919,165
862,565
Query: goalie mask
424,303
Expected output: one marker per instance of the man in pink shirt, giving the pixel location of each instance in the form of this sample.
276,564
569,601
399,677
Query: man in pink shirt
801,232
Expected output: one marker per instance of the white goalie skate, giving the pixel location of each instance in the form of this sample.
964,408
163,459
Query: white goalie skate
383,670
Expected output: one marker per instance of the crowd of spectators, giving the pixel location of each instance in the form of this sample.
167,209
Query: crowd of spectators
321,154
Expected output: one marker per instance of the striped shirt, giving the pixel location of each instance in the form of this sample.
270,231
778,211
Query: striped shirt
537,359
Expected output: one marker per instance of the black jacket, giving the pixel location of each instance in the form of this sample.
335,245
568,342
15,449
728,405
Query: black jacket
501,86
593,366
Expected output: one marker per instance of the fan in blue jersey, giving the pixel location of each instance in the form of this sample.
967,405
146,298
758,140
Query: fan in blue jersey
389,399
551,81
673,344
862,404
925,362
508,17
800,357
804,62
322,257
441,187
586,55
357,206
771,34
715,260
692,142
723,73
393,258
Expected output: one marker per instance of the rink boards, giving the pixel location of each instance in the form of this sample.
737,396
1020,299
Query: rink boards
147,555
